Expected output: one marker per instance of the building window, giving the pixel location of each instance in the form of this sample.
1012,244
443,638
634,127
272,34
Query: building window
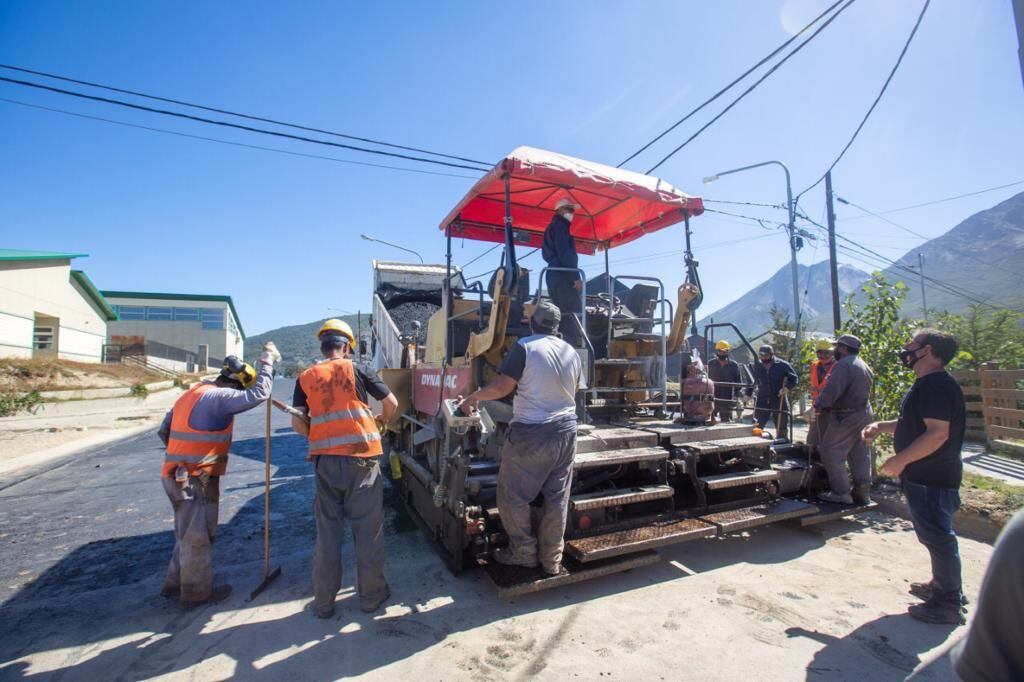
212,318
186,314
131,312
231,326
159,314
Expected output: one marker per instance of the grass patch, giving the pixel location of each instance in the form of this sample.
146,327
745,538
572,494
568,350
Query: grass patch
12,402
24,375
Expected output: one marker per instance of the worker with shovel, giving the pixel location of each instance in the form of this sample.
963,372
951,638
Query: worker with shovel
344,444
774,378
197,433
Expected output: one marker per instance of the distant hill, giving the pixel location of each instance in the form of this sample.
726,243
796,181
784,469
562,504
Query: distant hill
297,343
749,312
983,255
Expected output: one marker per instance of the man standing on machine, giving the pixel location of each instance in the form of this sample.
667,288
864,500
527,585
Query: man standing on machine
559,251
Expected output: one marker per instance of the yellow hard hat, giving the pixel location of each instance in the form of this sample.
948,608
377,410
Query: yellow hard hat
822,344
242,372
338,327
723,345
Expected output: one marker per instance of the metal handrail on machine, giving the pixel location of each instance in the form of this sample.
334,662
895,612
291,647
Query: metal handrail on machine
612,280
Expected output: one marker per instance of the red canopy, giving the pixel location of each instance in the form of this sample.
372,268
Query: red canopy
615,206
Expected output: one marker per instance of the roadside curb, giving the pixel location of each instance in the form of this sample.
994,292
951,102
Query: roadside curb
28,460
72,408
95,393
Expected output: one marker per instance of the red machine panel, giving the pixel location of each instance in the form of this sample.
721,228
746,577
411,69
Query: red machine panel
429,386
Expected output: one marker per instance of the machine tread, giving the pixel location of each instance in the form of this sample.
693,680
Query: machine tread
614,498
596,547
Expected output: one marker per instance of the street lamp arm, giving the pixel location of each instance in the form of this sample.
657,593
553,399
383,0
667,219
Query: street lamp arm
396,246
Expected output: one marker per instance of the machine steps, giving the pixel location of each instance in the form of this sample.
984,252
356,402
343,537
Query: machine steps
631,540
615,498
774,511
734,480
589,460
828,511
727,444
515,581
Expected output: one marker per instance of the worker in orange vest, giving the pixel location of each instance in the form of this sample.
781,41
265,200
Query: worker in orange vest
820,369
197,433
345,447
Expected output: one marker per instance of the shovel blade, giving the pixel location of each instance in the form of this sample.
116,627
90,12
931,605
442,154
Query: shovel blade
266,582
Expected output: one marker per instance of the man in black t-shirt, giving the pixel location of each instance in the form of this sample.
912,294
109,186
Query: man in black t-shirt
927,440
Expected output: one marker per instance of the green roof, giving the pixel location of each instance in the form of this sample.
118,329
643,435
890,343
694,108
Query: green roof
93,293
179,297
21,254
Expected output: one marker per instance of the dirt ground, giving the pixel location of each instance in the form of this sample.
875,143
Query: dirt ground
25,375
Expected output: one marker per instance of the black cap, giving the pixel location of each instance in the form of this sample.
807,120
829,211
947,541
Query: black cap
766,349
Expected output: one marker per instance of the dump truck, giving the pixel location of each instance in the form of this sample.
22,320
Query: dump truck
643,475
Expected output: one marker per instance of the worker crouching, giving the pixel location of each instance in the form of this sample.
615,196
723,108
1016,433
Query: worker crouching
197,433
537,456
345,447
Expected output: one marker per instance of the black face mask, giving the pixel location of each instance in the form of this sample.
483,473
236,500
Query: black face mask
909,358
723,356
767,361
836,355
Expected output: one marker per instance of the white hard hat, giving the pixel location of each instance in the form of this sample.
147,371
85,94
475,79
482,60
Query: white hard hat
562,203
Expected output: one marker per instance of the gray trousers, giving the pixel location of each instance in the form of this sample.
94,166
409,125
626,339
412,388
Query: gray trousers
536,459
839,442
195,527
348,488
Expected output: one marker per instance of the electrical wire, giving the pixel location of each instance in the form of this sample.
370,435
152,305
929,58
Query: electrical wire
237,126
779,207
919,235
752,87
943,286
234,144
878,98
721,92
936,201
250,117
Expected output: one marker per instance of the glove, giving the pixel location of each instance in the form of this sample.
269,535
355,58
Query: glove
381,424
783,392
271,355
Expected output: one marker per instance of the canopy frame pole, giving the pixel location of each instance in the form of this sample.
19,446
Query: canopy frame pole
511,266
611,300
449,340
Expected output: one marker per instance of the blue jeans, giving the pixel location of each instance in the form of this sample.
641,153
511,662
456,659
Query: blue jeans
931,510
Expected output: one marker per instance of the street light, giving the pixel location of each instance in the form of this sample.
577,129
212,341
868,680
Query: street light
381,241
790,228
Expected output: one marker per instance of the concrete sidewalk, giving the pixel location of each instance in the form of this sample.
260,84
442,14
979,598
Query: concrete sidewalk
978,459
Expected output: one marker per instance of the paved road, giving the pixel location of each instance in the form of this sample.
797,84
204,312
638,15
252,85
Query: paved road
85,543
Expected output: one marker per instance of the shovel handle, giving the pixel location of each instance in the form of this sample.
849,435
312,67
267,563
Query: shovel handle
266,504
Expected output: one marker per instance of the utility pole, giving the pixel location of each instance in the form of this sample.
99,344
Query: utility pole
920,271
837,321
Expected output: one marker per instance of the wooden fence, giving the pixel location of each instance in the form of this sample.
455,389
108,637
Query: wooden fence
1002,402
970,382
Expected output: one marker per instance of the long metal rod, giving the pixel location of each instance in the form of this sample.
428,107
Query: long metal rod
266,502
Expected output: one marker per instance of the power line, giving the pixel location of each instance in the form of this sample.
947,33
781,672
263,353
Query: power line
237,126
779,207
936,201
944,286
721,92
918,234
250,117
759,221
234,144
878,98
752,87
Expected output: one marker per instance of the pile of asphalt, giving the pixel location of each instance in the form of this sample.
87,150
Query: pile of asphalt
406,314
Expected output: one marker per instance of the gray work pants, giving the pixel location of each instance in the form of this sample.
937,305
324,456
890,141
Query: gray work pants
536,460
348,488
839,442
195,526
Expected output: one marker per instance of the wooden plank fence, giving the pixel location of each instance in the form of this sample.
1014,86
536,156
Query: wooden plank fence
970,383
1002,395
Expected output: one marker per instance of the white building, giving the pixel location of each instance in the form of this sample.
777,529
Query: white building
49,310
178,331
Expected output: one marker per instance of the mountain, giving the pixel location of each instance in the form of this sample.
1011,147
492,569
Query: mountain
982,256
298,343
749,312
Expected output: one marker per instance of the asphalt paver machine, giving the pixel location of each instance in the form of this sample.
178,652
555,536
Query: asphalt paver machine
643,477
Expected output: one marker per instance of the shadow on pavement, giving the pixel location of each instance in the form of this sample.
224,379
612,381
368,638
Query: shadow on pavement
897,641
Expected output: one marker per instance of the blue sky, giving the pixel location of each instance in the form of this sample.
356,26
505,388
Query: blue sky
280,233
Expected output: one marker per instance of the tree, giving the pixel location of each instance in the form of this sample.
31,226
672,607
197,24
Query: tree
985,335
877,323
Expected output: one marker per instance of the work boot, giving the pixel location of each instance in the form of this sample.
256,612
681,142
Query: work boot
170,591
504,555
553,569
862,494
923,591
835,498
370,607
219,593
938,613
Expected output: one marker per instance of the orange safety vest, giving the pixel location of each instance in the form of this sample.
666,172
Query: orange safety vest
339,422
196,450
816,383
